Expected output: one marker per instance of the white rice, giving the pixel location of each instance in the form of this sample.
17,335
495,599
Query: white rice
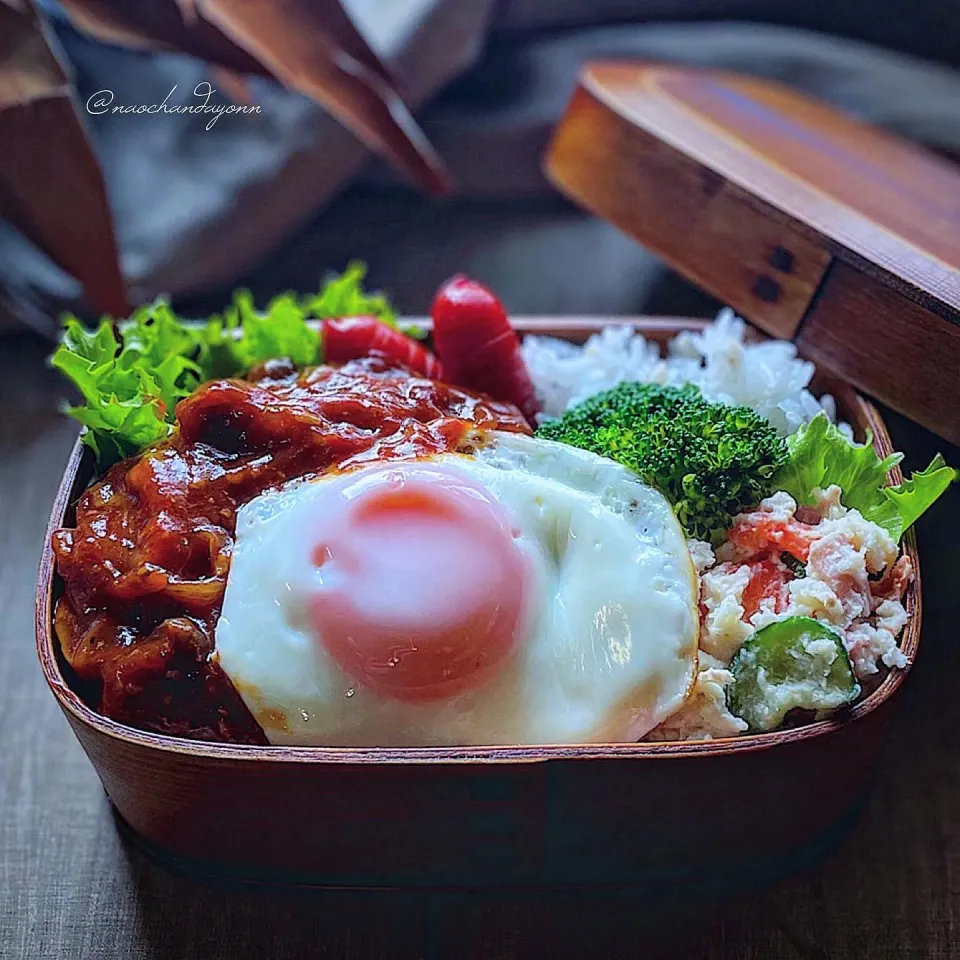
768,377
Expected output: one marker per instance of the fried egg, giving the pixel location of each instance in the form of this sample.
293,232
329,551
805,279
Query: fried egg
526,592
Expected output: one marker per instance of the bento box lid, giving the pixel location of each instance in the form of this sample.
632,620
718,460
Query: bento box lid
813,226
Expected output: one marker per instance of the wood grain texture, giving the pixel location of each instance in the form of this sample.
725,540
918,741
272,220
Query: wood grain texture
752,191
462,816
887,205
706,227
920,355
74,889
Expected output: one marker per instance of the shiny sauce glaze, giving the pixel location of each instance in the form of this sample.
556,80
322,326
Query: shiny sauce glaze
146,566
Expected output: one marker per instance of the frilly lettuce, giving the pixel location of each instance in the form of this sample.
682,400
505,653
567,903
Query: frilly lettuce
129,392
131,385
820,455
344,296
242,337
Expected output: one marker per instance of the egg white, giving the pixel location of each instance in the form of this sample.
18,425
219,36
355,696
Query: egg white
609,640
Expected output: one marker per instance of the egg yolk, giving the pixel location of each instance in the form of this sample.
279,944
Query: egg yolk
421,584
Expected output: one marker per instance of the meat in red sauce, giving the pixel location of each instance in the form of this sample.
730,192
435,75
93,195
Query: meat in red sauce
146,566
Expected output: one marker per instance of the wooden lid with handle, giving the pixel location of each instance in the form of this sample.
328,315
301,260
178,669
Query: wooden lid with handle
811,225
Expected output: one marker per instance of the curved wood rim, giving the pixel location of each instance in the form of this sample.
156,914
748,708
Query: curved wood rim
913,268
576,328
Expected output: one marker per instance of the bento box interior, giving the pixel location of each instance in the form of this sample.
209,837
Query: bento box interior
73,695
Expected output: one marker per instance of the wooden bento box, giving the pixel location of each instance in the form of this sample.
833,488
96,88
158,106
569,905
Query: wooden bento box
701,816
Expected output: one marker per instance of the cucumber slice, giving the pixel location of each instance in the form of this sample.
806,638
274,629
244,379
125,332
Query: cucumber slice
794,663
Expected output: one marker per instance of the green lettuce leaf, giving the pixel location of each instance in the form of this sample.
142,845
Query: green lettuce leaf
126,400
242,337
344,296
915,495
157,343
131,387
820,455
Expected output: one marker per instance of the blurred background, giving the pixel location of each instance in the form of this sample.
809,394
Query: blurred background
276,199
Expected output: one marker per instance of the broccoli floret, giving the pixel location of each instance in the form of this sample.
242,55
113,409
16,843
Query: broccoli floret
710,460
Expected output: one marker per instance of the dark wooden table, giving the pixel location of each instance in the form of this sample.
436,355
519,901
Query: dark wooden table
70,886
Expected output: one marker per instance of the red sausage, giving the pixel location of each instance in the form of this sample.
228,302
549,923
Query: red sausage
477,346
350,338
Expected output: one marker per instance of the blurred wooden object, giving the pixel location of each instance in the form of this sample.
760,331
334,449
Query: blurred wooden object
311,46
51,188
811,225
